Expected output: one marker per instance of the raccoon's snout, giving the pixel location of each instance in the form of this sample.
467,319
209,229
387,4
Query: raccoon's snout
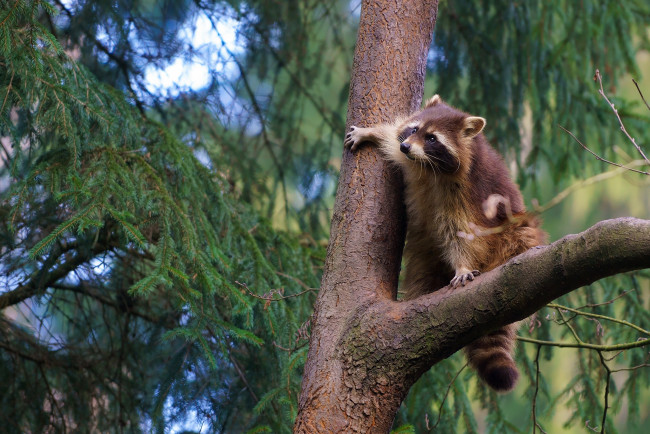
405,147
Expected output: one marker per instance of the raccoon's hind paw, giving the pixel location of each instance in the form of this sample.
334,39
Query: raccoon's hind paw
463,277
351,139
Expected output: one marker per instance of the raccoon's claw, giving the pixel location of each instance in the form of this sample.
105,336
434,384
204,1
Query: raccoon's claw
351,139
463,278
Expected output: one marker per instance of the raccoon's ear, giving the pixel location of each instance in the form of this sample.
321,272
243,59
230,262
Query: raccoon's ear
434,100
473,125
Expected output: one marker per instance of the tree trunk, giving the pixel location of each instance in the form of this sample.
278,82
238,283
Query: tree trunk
368,224
366,349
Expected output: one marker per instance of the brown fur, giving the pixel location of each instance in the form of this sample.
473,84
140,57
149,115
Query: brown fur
457,227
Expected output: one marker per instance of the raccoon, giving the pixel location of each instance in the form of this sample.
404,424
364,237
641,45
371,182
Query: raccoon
465,214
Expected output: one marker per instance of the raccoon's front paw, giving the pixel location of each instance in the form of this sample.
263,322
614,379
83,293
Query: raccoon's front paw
354,138
462,277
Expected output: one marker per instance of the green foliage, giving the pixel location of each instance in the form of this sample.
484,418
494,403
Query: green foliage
147,281
502,59
404,429
109,210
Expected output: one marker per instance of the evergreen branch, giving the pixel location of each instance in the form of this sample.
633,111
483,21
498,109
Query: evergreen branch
176,272
242,376
237,332
72,96
38,352
41,279
56,233
131,230
298,281
121,62
21,198
11,80
96,293
267,398
10,12
603,317
320,107
144,285
53,401
258,112
586,345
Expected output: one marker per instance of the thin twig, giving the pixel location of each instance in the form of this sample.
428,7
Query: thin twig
603,317
269,296
615,347
609,373
598,157
447,394
242,377
55,402
640,93
298,281
632,368
535,424
566,323
620,121
608,301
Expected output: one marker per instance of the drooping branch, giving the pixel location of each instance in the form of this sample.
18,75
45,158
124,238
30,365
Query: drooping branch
41,280
50,272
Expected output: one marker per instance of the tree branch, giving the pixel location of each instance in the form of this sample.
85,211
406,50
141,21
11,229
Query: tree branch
447,320
41,280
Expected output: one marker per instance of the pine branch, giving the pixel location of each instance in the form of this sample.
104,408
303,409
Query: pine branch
95,293
24,345
42,279
124,66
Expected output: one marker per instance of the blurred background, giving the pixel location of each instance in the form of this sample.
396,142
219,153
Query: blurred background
167,175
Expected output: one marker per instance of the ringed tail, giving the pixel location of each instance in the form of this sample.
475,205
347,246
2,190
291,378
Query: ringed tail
492,357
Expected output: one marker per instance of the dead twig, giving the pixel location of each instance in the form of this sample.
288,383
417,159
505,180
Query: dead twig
598,77
269,296
598,157
640,93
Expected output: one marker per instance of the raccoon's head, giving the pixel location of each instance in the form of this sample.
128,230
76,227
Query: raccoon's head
440,137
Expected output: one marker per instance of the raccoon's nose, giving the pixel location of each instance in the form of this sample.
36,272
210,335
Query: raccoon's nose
405,147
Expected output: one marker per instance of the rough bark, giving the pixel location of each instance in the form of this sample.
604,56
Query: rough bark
407,338
366,349
368,224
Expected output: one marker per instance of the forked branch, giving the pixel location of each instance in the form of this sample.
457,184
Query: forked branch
521,286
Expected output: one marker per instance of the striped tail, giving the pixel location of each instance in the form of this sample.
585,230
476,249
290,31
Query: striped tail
491,356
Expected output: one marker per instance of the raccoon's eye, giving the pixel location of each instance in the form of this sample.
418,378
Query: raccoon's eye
430,138
414,130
